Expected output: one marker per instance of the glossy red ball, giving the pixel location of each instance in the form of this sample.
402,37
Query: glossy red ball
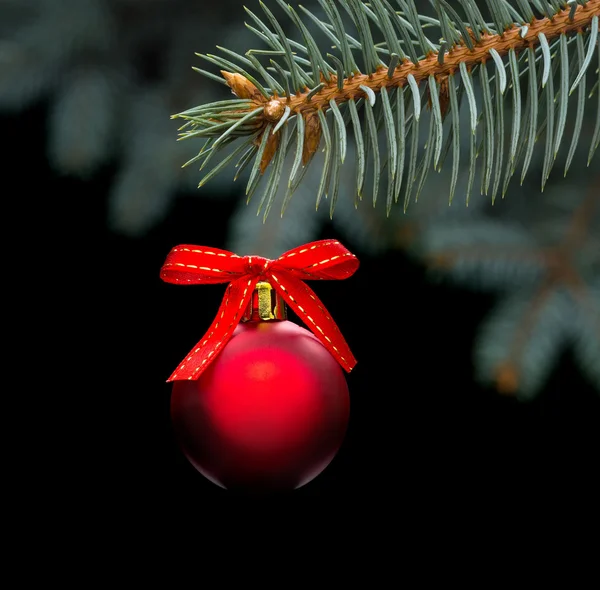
269,413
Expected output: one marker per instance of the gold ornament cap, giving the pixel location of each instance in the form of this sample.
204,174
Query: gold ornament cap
266,305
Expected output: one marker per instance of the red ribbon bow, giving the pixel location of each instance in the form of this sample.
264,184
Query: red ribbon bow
196,265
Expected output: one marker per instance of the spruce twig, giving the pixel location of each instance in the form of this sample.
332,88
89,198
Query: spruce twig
520,37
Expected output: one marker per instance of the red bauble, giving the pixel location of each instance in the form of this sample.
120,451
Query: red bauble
269,413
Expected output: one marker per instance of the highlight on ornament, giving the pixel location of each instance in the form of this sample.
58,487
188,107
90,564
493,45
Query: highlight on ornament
261,404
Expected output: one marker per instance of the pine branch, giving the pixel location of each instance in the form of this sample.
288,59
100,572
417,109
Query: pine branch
528,47
546,279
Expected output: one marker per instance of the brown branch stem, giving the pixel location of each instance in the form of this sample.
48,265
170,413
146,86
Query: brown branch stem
510,39
508,373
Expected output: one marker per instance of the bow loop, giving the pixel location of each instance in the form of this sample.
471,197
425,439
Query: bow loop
321,260
195,265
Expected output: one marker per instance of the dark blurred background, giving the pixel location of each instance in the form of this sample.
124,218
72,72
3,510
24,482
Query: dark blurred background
85,116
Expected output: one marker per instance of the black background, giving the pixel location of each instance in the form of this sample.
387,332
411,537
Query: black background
421,429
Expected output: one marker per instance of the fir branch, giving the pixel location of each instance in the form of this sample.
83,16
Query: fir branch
325,91
547,284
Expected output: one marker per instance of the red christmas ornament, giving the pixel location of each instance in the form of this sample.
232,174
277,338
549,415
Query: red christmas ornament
263,405
270,412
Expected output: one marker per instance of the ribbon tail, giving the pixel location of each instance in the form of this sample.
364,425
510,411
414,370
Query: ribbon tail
237,297
304,301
